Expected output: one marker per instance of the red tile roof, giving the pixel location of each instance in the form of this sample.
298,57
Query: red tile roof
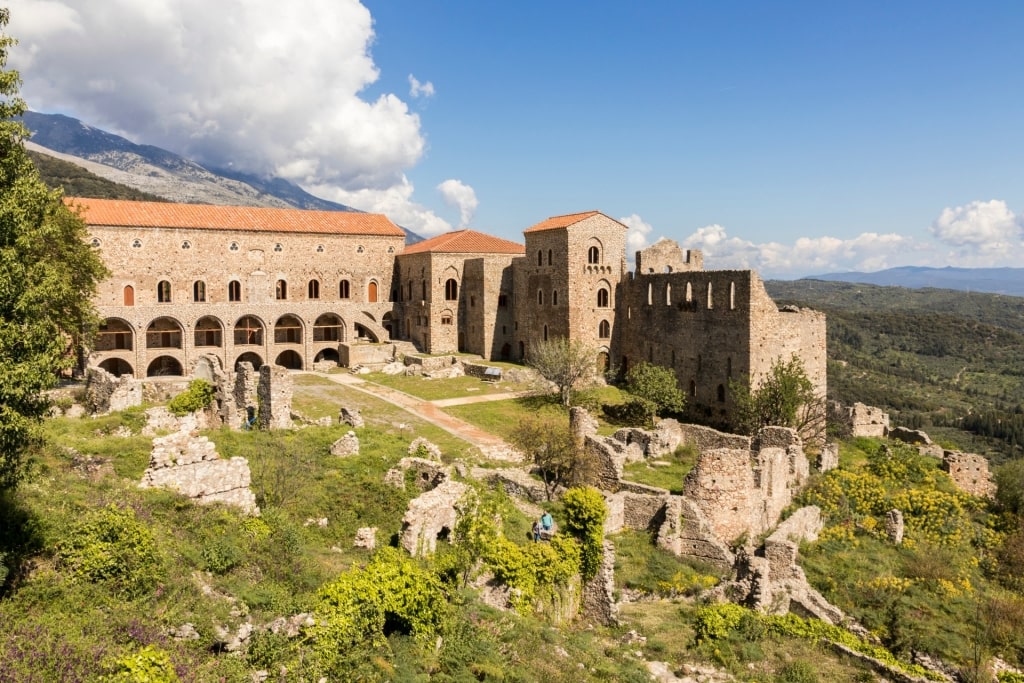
465,242
116,212
563,221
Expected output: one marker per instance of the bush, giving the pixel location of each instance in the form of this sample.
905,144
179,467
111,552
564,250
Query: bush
797,672
111,546
585,512
148,665
199,394
656,385
635,412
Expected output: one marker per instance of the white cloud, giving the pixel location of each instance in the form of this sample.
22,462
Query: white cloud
985,226
637,235
395,202
265,86
417,89
457,194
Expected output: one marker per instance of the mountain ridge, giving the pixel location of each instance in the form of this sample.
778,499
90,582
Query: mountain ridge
1004,280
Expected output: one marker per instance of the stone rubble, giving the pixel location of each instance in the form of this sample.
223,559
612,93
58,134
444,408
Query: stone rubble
346,445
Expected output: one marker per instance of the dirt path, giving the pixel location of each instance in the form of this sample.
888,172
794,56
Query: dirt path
490,445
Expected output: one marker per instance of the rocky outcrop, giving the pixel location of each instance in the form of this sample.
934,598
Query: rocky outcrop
190,465
894,526
914,437
351,417
366,537
346,445
431,516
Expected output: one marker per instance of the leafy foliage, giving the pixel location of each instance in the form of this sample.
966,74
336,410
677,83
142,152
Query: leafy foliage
549,443
568,364
585,512
784,398
111,546
199,394
148,665
47,276
658,386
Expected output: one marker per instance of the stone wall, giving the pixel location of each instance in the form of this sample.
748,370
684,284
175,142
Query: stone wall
351,354
105,393
274,394
430,516
862,420
970,473
190,465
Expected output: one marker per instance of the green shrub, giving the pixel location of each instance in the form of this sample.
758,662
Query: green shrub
199,394
585,512
635,412
111,546
797,672
221,555
657,385
148,665
716,622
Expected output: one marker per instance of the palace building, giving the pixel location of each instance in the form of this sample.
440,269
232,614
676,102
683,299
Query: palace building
293,288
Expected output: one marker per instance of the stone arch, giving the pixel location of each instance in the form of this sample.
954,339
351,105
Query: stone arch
330,355
164,366
118,367
288,330
199,291
115,334
451,289
603,296
388,323
506,351
367,326
163,292
345,289
329,327
371,292
363,330
313,289
602,361
595,251
289,359
209,331
163,333
253,359
281,290
249,332
604,330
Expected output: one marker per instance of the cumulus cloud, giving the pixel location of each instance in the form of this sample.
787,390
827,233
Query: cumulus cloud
417,89
461,196
637,235
985,226
263,86
395,202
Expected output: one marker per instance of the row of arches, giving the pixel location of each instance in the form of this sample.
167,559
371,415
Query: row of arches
169,366
165,292
594,254
168,333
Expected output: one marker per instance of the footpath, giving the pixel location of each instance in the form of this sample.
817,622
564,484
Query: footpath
490,445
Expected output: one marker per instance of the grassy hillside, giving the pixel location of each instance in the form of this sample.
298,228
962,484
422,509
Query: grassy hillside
949,362
79,182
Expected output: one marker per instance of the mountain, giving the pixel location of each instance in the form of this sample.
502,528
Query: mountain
156,171
993,280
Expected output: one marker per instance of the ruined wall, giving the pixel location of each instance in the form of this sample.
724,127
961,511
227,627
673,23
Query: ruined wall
274,394
863,420
105,393
666,256
970,473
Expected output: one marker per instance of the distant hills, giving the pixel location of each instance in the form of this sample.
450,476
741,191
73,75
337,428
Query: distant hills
993,280
156,172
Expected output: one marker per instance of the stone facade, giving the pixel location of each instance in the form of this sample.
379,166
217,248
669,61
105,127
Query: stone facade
294,288
430,516
970,473
863,420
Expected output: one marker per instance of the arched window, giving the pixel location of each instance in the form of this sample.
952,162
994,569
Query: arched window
545,333
650,293
549,257
721,393
602,298
281,290
593,255
711,302
199,291
732,296
540,258
554,298
234,291
163,292
313,289
451,290
540,297
371,292
604,330
668,294
344,291
129,295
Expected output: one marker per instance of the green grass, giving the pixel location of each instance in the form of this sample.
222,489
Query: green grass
681,461
641,566
436,389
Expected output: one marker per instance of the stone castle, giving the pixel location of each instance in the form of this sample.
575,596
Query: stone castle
293,288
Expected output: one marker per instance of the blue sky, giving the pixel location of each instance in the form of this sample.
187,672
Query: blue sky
792,137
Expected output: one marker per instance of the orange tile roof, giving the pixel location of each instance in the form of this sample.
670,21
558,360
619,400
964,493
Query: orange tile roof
116,212
465,242
562,221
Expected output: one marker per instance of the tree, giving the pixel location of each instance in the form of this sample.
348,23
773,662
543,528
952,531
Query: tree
567,364
784,398
551,446
48,275
658,386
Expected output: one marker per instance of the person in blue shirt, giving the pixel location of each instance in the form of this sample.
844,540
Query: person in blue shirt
546,522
